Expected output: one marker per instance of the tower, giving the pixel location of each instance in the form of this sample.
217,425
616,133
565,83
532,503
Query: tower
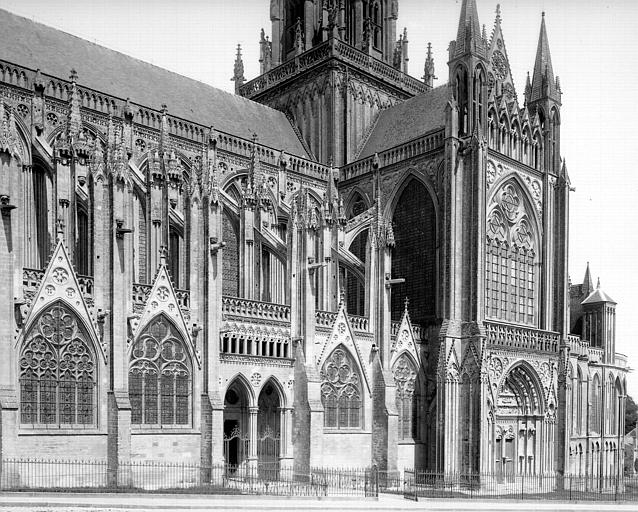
331,66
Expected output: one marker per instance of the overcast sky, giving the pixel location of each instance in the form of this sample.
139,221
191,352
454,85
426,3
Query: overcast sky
593,51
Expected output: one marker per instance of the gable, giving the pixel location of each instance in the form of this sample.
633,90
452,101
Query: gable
60,283
162,300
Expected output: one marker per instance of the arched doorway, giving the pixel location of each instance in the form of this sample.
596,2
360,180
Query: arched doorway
236,416
519,424
269,428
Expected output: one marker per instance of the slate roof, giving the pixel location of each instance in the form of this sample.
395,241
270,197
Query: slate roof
408,120
34,45
598,296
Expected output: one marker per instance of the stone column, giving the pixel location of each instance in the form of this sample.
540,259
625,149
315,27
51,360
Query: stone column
285,434
253,436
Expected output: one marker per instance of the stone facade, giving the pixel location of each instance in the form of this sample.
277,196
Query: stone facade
379,276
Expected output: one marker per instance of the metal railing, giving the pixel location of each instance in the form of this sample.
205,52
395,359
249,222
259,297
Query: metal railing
150,476
423,484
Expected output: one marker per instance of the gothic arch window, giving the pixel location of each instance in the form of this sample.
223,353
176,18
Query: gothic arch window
176,256
83,242
414,253
160,376
511,265
461,97
596,404
341,394
57,371
406,398
230,255
42,199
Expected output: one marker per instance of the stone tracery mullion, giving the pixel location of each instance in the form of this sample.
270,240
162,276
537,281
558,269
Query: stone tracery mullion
57,371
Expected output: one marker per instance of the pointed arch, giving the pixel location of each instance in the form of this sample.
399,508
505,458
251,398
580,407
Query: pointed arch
512,255
341,390
413,212
239,379
160,375
405,371
357,202
58,370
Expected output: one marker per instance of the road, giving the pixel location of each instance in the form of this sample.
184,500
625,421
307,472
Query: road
95,502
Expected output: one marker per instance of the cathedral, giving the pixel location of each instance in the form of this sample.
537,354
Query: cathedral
339,265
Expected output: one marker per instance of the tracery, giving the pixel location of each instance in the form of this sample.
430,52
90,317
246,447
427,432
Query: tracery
341,391
57,371
160,376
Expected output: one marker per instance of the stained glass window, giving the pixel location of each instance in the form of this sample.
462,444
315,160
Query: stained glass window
57,372
510,252
160,376
341,391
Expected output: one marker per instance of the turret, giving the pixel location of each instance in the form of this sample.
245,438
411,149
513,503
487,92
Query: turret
599,321
544,98
467,65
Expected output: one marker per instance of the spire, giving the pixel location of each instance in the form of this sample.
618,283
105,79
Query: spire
543,81
588,285
428,71
238,76
528,89
469,31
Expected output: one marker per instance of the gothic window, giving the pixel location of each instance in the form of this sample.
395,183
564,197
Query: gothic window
406,397
596,404
41,194
511,262
414,253
341,391
230,256
160,376
83,242
175,260
57,372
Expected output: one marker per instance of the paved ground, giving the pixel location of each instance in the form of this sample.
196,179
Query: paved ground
57,502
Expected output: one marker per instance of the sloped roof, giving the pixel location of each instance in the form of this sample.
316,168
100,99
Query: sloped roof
37,46
408,120
598,296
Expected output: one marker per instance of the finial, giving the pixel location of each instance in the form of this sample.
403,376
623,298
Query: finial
238,70
598,284
543,14
484,33
498,13
163,254
74,76
406,303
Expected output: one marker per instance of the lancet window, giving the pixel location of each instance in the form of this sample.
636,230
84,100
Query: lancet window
341,391
405,373
57,372
160,376
511,259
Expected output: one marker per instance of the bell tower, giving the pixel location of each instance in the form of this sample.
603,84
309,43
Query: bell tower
331,66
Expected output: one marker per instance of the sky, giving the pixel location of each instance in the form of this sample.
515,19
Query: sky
592,49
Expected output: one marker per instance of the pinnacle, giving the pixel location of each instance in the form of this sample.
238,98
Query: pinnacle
543,81
469,27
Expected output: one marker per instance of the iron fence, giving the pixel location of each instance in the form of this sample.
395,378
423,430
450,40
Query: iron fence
152,476
423,484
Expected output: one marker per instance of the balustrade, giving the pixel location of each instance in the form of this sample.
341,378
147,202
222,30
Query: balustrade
511,336
31,279
253,309
418,146
328,50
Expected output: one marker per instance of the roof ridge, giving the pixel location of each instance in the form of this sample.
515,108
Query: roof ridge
34,45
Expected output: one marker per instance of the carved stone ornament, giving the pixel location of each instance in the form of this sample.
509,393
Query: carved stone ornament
342,334
61,283
163,300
